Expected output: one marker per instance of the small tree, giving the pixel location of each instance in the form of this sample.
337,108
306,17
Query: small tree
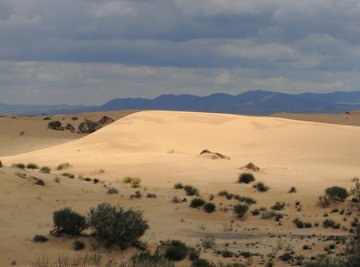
68,222
114,225
246,178
240,210
55,125
336,193
355,190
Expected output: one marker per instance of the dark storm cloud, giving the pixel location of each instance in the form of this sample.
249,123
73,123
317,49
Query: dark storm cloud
214,45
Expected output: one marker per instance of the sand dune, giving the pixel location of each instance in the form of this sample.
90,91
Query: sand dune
162,148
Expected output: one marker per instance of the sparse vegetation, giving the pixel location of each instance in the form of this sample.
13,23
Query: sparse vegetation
69,175
209,207
355,189
88,126
261,187
292,189
240,210
112,190
32,166
175,250
179,186
40,239
190,190
278,206
69,222
63,166
112,225
54,125
208,242
328,223
246,178
301,224
78,245
197,202
134,181
19,165
336,193
45,169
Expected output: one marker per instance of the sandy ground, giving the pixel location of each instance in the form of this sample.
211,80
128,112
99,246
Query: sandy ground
163,148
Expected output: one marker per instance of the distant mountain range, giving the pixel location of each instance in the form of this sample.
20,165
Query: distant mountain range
251,102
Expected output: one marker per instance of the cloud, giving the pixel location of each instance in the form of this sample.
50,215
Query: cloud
153,44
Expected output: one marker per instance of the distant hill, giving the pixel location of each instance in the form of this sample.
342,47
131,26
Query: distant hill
251,102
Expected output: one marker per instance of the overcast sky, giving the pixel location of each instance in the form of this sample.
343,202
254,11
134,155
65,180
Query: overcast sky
90,51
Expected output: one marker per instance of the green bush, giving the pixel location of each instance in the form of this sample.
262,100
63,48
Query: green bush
69,222
39,182
209,207
178,186
197,202
55,125
19,165
78,245
336,193
190,190
247,200
261,187
301,224
32,166
240,210
69,175
328,223
113,225
200,262
63,166
45,169
175,250
278,206
246,178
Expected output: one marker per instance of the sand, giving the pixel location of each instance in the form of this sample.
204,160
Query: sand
162,148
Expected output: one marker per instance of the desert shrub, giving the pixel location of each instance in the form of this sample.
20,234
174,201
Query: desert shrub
208,242
63,166
197,202
323,201
200,262
19,165
151,195
1,164
45,169
240,210
134,181
223,193
32,166
78,245
278,216
87,126
355,189
246,178
54,125
87,179
190,190
113,225
301,224
229,196
227,253
39,181
328,223
178,186
74,118
209,207
278,206
261,187
336,193
40,239
112,190
255,212
211,197
96,180
247,200
69,222
324,261
146,259
175,250
69,175
267,214
293,189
